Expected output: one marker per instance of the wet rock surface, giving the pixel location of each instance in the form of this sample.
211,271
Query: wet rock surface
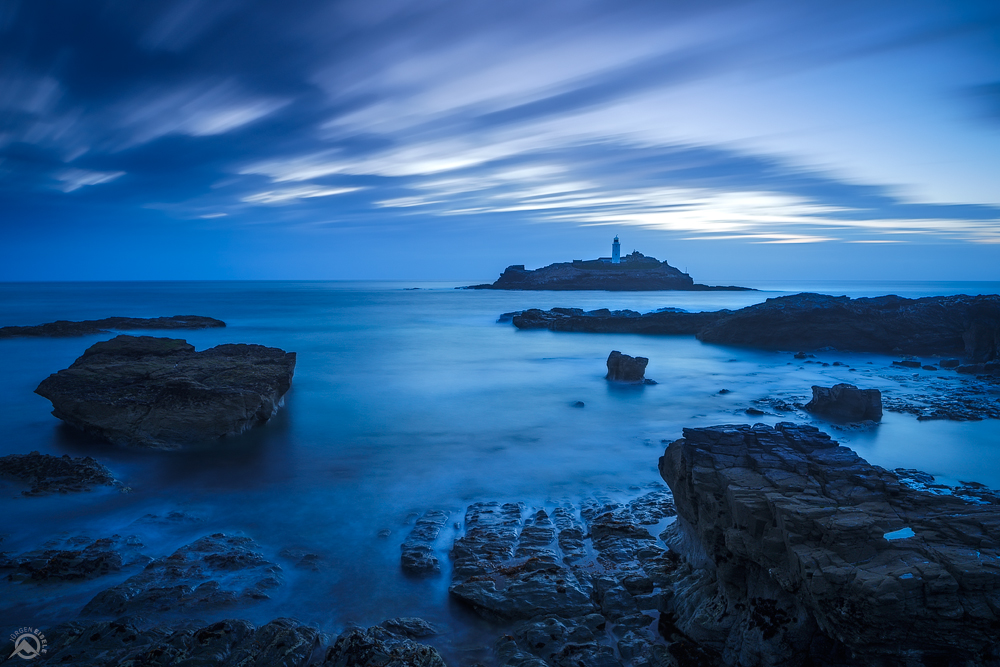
418,550
967,326
846,403
159,392
215,571
88,327
796,551
73,559
44,473
623,368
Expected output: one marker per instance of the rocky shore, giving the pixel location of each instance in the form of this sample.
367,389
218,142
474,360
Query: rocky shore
966,326
62,328
159,392
635,273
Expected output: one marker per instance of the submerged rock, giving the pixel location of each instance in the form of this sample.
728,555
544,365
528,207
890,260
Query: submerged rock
418,550
380,647
45,473
847,403
90,327
799,552
623,368
215,571
74,559
159,392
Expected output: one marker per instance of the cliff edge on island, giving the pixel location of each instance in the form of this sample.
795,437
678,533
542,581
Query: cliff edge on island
635,272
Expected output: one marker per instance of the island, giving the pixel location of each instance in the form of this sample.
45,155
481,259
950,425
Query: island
65,328
631,273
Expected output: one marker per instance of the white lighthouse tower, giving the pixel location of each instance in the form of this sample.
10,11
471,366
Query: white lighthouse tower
616,252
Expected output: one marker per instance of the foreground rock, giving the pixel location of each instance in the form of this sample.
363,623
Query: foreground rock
44,473
799,552
159,392
63,328
846,403
215,571
961,325
73,559
636,272
623,368
417,555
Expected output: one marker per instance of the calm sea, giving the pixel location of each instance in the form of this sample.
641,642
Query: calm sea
408,397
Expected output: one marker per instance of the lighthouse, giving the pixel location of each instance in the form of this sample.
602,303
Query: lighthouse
616,252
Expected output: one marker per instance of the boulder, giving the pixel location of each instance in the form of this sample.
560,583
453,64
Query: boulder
159,392
797,551
623,368
44,473
847,403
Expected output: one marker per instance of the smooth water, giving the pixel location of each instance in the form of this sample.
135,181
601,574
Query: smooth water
408,399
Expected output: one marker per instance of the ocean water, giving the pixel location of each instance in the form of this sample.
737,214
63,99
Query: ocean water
406,397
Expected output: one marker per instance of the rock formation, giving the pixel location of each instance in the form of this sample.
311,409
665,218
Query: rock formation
846,403
940,325
44,473
159,392
623,368
799,552
89,327
636,272
417,555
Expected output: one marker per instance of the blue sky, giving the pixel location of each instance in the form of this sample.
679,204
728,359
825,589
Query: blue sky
447,139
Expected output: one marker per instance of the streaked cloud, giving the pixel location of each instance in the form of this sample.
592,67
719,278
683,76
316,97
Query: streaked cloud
74,179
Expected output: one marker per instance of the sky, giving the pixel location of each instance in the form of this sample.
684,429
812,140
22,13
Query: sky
447,139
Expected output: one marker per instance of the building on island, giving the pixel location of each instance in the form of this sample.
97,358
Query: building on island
616,251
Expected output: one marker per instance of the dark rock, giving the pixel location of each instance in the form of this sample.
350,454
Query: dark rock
636,272
414,628
418,549
56,474
159,392
90,327
623,368
74,559
929,368
228,643
754,412
378,647
725,391
908,363
577,404
950,363
189,580
791,556
508,317
618,321
845,402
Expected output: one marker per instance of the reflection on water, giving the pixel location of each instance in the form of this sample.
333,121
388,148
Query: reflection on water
403,401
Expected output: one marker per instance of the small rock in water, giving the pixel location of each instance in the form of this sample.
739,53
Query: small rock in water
56,474
724,391
577,404
909,362
754,412
930,368
845,402
950,363
417,555
623,368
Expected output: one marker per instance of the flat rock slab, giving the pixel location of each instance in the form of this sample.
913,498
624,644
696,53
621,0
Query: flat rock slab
44,473
62,328
795,544
159,392
73,559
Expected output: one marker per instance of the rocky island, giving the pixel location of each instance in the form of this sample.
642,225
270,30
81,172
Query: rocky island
63,328
159,392
632,273
960,325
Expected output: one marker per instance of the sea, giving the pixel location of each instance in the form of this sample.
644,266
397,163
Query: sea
409,397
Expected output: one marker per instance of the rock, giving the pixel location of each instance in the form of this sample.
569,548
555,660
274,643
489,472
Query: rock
636,272
45,473
941,325
414,628
950,363
189,580
378,647
418,549
847,403
228,643
577,404
91,327
74,559
623,368
723,392
159,392
795,550
754,412
908,363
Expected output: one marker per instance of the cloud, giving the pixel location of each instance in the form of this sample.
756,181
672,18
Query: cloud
291,194
74,179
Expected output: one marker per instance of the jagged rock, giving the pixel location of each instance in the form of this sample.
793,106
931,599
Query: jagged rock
378,647
418,549
228,643
415,628
796,551
159,392
616,321
90,327
45,473
215,571
74,559
623,368
847,403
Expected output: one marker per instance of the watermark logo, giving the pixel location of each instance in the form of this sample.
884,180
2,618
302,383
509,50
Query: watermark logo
29,643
